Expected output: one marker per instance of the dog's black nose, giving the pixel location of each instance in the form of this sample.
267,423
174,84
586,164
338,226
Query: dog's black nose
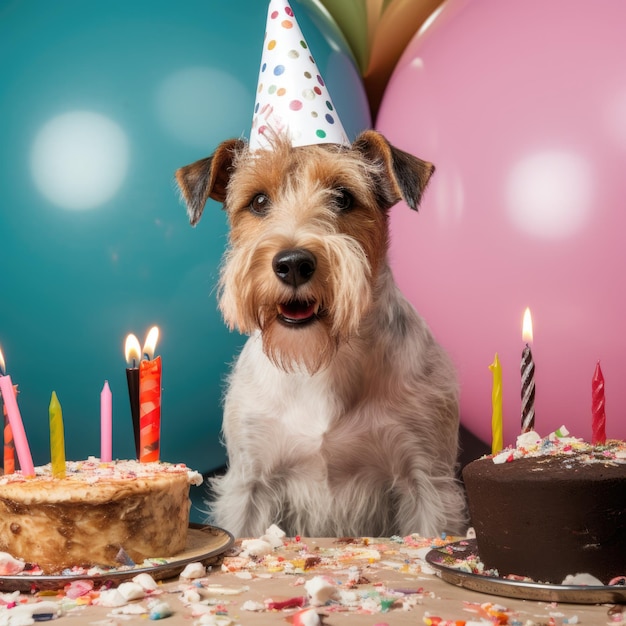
294,267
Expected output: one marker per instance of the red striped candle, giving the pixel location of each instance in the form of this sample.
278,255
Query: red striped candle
9,444
17,427
149,410
598,414
150,401
18,434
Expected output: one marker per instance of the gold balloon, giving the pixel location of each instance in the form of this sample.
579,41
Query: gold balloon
396,26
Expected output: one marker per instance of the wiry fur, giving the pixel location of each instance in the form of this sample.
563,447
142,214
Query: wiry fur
346,425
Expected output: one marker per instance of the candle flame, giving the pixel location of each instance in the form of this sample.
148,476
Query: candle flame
132,349
527,327
149,347
2,364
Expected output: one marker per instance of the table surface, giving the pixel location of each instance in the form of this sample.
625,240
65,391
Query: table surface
375,582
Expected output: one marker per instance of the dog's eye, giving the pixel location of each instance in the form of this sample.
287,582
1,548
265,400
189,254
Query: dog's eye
260,204
344,200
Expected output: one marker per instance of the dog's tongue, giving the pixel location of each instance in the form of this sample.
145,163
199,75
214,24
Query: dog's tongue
297,310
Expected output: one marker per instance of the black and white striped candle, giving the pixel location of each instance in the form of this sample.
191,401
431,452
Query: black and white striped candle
528,376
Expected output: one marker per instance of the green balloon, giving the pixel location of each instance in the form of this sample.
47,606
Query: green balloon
351,17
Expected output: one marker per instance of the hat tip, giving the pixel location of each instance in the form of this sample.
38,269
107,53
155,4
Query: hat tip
292,97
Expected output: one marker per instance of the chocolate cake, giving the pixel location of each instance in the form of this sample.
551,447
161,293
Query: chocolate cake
85,518
550,508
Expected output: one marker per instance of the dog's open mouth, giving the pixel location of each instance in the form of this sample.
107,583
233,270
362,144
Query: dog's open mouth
297,312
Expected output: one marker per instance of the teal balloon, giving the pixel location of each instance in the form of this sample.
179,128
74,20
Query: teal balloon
100,103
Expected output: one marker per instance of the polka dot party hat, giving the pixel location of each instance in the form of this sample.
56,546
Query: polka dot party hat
292,98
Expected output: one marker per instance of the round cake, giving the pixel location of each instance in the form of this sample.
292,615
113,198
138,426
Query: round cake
550,508
85,518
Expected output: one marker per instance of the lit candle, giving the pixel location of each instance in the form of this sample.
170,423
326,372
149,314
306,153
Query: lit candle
150,400
9,444
132,352
15,420
106,424
496,406
57,438
8,464
598,414
528,376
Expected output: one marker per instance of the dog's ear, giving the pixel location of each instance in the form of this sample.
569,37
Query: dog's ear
207,178
405,177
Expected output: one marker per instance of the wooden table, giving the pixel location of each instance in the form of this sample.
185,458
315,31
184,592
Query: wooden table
374,581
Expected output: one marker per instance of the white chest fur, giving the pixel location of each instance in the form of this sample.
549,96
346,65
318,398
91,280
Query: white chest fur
294,410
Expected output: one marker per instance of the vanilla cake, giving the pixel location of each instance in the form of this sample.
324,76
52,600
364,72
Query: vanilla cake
85,518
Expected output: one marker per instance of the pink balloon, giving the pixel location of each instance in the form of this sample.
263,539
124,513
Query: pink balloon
522,107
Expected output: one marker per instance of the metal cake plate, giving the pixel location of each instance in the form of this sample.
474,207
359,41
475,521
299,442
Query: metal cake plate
446,561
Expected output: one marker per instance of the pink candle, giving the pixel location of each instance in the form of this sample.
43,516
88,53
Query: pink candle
598,415
106,424
15,419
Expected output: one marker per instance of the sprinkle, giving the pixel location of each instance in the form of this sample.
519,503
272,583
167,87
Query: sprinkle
78,588
146,582
256,547
193,571
320,590
307,617
291,603
131,590
159,610
123,558
251,605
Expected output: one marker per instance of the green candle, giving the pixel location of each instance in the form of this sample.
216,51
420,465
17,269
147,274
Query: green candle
57,438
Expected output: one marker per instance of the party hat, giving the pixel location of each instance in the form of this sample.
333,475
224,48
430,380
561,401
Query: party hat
292,99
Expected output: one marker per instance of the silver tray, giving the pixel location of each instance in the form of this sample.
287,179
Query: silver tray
204,544
441,560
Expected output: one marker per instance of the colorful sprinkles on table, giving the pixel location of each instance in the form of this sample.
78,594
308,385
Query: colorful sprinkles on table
344,577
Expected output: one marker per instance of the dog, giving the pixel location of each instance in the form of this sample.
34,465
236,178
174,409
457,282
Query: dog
341,412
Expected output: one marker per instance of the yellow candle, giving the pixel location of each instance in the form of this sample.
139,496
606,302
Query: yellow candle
496,406
57,438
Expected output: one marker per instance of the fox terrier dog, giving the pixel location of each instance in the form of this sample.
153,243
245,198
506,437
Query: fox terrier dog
341,414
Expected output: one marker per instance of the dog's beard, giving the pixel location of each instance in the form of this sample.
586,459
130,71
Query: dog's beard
251,300
310,347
